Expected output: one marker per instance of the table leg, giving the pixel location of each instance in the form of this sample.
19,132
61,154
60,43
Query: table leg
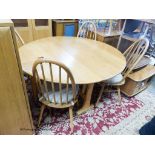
87,105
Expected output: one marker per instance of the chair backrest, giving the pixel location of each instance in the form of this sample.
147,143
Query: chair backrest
87,30
19,38
134,54
43,67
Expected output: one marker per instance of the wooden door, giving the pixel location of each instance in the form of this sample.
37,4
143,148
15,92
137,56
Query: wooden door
42,28
15,116
24,28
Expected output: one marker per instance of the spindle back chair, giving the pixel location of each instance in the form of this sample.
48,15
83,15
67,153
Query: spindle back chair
133,55
56,93
87,30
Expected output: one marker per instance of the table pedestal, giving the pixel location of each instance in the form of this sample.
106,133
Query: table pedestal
87,100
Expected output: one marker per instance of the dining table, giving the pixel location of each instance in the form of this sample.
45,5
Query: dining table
89,61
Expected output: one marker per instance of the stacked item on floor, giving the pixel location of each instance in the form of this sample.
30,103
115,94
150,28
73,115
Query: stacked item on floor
138,80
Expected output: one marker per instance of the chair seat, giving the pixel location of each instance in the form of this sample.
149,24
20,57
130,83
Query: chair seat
114,80
64,95
119,83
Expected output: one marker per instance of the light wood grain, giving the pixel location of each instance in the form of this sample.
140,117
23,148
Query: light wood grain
44,89
89,61
6,22
26,33
20,41
132,87
133,55
143,74
14,107
42,31
86,106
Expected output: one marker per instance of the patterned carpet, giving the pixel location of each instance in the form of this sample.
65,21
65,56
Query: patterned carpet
107,118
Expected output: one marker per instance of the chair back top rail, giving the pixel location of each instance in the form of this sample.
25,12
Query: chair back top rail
87,30
134,54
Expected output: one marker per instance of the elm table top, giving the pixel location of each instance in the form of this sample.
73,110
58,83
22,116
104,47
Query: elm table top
89,61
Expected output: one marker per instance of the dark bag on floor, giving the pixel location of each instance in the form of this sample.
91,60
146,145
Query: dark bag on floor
148,128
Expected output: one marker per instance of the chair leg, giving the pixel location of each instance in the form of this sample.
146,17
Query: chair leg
41,114
71,119
119,95
109,90
100,94
84,89
50,110
34,90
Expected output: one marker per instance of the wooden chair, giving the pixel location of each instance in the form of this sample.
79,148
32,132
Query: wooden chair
133,55
87,30
56,93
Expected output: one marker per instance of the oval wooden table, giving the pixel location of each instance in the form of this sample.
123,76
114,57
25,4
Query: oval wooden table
89,61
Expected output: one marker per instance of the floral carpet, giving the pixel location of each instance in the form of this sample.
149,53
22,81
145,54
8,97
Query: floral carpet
107,118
